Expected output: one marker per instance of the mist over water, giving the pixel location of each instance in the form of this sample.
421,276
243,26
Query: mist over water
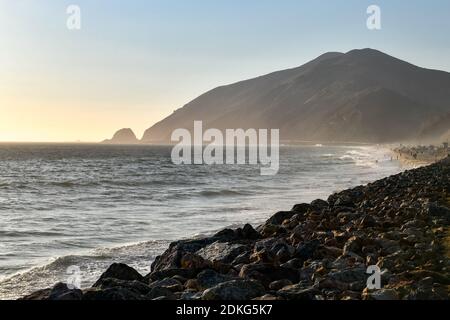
91,205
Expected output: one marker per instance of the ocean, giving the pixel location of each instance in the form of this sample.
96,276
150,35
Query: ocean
88,206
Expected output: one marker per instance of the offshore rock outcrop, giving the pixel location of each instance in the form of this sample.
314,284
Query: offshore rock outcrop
123,136
316,251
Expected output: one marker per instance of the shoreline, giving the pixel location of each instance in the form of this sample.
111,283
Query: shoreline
420,156
410,163
307,252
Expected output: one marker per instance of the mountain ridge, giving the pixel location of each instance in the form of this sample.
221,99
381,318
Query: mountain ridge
363,95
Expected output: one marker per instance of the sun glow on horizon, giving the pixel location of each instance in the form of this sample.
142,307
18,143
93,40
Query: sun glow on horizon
134,64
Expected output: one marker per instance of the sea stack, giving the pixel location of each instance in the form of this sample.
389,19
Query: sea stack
123,136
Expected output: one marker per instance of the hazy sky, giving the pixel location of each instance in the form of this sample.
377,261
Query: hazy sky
135,62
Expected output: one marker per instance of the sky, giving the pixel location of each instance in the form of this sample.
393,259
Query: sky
134,62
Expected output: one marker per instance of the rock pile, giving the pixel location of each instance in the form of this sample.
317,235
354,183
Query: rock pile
316,251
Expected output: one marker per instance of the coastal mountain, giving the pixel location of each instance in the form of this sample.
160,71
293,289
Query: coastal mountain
358,96
123,136
437,130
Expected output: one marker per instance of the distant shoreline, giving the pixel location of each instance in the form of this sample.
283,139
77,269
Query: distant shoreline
410,156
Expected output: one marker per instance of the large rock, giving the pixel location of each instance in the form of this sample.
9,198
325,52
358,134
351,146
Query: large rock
279,217
166,283
120,271
209,278
222,252
247,233
123,136
38,295
298,292
168,273
234,290
59,291
171,258
136,286
266,273
301,208
319,205
62,292
305,251
436,210
161,293
350,275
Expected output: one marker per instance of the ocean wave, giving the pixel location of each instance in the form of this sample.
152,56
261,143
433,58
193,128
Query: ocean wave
363,157
91,265
346,157
4,185
18,234
222,193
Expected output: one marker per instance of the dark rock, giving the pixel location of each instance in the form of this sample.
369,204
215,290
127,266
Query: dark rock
319,204
368,222
382,294
248,233
301,208
209,278
194,262
264,256
191,284
350,275
226,235
38,295
272,230
354,244
110,294
234,290
222,252
62,292
278,218
306,250
284,254
243,258
266,273
171,258
435,210
165,283
135,286
293,264
191,295
179,278
268,297
120,271
159,292
343,200
279,284
298,292
168,273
